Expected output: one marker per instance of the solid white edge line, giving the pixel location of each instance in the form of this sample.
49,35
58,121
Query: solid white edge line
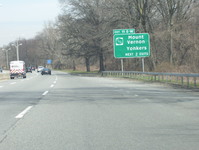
45,93
20,115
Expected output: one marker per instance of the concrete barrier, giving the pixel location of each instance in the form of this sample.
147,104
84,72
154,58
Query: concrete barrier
4,76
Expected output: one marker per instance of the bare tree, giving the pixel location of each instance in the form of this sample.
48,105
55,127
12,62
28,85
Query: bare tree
174,13
88,32
49,44
84,32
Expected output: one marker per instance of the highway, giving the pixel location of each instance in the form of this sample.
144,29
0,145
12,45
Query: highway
65,112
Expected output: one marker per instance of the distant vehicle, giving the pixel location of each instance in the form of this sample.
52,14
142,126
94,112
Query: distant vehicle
17,69
46,71
40,68
1,70
28,69
33,68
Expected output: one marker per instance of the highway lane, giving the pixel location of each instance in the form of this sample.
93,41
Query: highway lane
16,95
106,114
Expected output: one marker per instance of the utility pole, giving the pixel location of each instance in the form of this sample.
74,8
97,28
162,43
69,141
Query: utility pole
6,50
17,48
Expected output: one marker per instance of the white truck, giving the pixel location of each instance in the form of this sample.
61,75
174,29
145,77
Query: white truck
17,69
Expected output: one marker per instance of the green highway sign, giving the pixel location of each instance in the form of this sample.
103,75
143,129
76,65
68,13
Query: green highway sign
131,45
123,31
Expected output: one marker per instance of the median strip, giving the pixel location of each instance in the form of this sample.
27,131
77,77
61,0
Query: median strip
20,115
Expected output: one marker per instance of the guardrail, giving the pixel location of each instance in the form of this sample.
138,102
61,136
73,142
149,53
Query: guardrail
185,80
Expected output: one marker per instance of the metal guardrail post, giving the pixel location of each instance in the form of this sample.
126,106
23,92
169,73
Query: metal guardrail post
187,81
182,82
177,79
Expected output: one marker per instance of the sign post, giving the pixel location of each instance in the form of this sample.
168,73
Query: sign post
142,64
122,65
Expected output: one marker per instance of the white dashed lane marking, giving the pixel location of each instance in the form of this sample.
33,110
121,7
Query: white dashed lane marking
20,115
46,92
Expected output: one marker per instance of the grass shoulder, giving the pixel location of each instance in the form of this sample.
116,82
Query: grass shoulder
82,73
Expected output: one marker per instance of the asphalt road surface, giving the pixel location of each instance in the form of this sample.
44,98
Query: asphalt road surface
64,112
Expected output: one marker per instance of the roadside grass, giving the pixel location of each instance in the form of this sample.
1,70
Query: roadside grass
167,80
146,78
82,73
78,71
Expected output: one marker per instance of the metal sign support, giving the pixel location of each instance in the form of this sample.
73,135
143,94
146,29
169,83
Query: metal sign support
122,64
143,64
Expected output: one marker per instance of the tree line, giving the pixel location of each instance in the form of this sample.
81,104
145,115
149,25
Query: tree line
82,35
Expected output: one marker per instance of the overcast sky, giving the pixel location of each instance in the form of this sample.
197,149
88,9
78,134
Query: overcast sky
25,18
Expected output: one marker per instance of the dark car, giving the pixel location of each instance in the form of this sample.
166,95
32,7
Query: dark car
46,71
28,69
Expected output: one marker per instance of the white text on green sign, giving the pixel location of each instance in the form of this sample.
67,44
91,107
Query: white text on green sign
123,31
131,45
